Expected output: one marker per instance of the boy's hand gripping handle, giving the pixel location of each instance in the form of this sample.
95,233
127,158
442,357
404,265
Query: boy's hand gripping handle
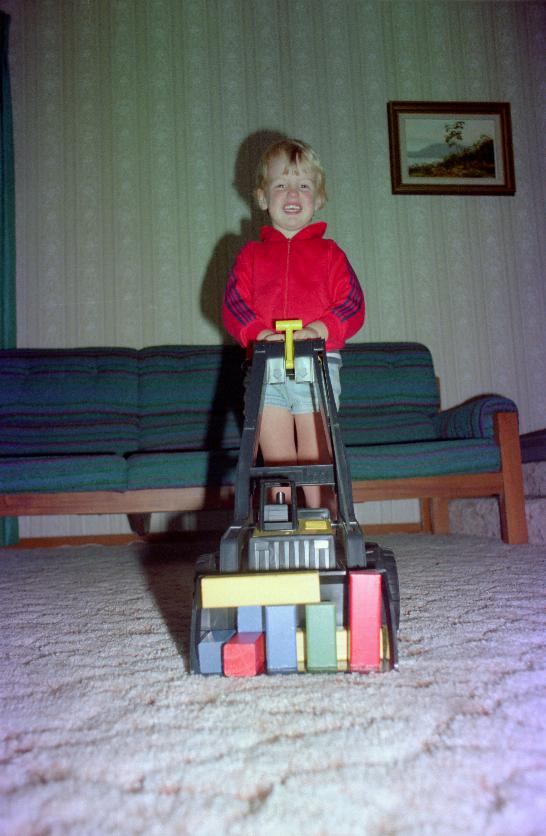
288,326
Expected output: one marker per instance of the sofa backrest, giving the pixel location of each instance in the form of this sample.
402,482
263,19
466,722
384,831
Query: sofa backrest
181,397
61,401
389,393
191,397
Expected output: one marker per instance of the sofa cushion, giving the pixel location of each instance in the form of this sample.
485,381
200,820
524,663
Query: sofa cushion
382,378
361,426
182,470
46,474
429,458
474,418
191,397
58,401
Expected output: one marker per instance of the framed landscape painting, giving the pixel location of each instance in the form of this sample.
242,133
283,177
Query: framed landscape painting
451,148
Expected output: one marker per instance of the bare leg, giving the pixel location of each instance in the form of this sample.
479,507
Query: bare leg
312,448
278,433
277,439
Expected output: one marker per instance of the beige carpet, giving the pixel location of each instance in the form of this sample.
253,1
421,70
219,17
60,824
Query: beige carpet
104,731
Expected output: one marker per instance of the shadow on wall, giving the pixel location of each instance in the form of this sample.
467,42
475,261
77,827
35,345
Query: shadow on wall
167,568
225,251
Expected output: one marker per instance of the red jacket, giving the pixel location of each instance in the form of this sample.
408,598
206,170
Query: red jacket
306,277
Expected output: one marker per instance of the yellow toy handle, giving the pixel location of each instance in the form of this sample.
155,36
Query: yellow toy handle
288,326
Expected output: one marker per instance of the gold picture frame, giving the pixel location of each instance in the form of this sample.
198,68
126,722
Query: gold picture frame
451,148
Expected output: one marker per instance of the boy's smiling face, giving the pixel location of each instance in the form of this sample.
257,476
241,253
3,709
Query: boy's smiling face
290,195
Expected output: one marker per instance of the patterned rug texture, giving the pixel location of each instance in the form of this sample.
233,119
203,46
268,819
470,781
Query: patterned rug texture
104,730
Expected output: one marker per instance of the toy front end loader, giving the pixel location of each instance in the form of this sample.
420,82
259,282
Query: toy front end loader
291,589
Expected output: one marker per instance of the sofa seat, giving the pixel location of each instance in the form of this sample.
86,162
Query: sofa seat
429,458
384,427
192,468
45,474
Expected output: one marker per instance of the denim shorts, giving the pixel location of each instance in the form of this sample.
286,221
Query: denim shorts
301,398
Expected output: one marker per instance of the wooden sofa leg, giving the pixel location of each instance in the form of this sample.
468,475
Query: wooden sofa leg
512,500
440,514
140,523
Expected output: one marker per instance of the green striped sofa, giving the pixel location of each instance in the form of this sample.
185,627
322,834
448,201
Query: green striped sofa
118,430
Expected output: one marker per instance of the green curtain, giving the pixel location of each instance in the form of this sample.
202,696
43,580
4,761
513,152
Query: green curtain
8,526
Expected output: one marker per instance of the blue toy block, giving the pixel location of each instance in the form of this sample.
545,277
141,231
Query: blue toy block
209,650
280,639
250,619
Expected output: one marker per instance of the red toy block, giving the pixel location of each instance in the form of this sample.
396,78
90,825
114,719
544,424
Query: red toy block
365,620
244,655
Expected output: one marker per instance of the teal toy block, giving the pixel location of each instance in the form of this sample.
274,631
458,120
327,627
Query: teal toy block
320,637
250,619
280,639
209,650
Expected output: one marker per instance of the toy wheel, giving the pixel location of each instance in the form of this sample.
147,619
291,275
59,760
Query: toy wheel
379,558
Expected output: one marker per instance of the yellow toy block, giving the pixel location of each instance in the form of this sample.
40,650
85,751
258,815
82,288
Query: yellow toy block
384,648
300,649
264,590
342,644
342,648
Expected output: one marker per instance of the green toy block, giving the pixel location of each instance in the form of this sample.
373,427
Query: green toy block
320,636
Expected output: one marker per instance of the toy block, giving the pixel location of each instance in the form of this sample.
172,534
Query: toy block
364,620
280,639
260,589
342,644
300,649
384,643
209,650
244,654
250,619
320,637
342,649
332,588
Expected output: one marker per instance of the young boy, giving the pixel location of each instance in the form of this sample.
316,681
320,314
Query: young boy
293,273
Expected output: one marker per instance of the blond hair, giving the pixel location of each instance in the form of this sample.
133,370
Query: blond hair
297,153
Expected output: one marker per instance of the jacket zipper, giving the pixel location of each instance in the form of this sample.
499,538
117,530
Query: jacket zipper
285,311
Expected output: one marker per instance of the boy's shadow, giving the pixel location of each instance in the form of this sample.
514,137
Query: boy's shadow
226,249
166,566
229,395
